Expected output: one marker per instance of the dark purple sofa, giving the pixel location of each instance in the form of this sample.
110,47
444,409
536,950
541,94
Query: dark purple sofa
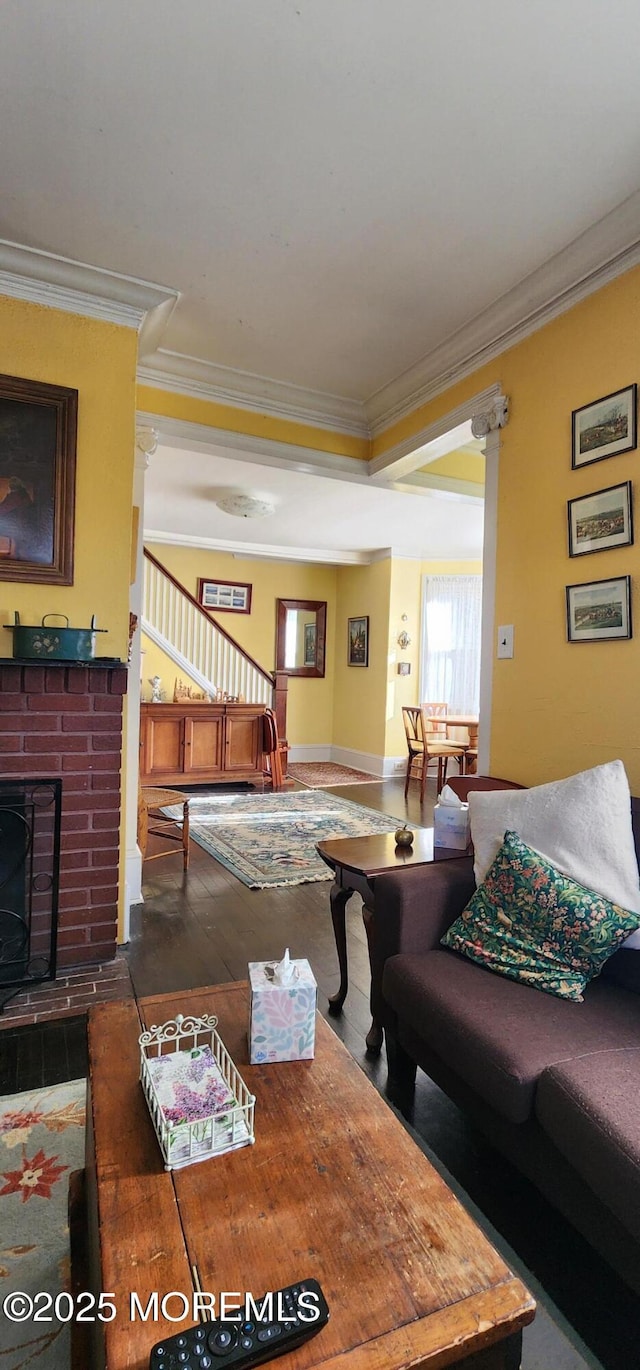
554,1085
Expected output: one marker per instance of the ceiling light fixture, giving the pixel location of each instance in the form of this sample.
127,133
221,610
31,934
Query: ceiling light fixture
245,506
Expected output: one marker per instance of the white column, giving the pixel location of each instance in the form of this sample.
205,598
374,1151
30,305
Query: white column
487,425
146,443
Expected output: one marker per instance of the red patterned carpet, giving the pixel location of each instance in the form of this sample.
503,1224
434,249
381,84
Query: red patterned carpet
320,774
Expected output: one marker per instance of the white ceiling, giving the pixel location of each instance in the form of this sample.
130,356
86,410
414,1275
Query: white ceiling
334,187
341,195
316,518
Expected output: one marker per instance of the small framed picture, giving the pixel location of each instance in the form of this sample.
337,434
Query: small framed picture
601,520
605,427
358,642
599,610
309,644
225,596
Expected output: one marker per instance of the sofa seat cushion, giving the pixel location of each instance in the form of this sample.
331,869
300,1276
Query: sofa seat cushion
497,1034
590,1108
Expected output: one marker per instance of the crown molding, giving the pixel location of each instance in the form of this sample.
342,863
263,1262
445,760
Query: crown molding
184,375
261,551
311,461
405,457
599,255
76,288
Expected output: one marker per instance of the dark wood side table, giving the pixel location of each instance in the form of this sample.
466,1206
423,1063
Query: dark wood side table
356,863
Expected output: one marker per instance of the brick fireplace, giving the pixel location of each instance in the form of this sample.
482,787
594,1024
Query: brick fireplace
65,720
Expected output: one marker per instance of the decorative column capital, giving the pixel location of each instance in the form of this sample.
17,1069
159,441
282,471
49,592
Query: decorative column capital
489,419
146,444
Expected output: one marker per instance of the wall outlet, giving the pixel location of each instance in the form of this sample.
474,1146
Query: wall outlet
505,640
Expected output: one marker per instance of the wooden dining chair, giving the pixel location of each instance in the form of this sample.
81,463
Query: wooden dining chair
424,746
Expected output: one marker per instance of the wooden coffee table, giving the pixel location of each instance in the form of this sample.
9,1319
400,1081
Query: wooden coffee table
356,863
334,1188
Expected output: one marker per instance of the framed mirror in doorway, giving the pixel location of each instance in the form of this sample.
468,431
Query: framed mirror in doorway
301,626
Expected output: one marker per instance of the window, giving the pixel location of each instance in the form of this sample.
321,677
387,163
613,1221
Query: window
451,633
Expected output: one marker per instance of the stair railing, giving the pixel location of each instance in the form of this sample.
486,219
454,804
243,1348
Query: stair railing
200,647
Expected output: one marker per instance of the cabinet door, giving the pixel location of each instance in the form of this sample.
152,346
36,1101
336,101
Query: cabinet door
163,745
203,750
243,741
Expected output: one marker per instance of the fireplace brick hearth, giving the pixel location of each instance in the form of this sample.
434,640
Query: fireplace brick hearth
65,720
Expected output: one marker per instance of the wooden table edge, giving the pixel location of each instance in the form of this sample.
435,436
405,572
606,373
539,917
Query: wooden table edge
444,1338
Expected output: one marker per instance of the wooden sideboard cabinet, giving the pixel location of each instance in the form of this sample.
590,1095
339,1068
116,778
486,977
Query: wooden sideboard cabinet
200,743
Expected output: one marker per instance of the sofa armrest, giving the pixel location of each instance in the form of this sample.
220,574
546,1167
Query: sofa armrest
413,909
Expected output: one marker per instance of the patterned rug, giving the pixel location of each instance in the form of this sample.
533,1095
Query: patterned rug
269,839
320,774
41,1142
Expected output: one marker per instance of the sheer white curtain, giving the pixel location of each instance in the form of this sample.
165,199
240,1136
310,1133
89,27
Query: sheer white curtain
451,632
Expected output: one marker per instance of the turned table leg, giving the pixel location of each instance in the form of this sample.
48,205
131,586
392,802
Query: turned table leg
339,897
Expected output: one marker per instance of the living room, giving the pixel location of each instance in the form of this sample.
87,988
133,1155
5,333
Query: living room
547,321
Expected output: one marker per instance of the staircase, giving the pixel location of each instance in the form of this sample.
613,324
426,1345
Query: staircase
200,648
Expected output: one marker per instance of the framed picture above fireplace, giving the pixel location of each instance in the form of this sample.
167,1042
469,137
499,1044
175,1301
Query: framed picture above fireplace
37,481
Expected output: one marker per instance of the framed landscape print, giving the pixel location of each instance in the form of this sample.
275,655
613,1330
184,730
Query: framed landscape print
599,610
38,425
601,520
225,596
309,644
605,427
358,642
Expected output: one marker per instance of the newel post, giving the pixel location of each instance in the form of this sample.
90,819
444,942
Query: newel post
280,703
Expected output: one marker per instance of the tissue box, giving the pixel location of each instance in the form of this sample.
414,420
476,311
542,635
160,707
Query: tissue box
451,826
282,1021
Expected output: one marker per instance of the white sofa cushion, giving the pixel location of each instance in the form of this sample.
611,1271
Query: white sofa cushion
582,825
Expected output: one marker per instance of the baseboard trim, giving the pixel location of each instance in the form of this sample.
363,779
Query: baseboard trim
383,767
319,751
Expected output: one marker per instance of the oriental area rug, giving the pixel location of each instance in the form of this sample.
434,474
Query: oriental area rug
317,775
41,1142
267,840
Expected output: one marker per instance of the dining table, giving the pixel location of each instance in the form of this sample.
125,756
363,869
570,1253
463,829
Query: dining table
471,723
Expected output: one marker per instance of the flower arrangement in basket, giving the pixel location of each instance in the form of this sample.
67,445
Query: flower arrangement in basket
199,1104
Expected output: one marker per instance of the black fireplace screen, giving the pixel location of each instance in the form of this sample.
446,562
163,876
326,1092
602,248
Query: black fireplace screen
29,876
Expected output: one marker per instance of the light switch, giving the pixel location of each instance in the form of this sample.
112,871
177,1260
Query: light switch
505,640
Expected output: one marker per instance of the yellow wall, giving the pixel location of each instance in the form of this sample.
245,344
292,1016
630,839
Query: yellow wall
459,466
226,416
310,701
558,707
98,360
360,694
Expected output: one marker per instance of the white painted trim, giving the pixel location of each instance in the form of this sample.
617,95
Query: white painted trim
182,662
311,461
385,464
260,550
603,252
360,761
204,380
317,751
421,483
489,558
77,288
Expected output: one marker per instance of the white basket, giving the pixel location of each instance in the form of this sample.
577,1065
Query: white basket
230,1127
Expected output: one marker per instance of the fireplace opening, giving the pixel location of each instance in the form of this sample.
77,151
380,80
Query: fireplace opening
29,879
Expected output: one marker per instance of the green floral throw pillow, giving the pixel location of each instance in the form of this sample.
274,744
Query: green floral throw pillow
532,923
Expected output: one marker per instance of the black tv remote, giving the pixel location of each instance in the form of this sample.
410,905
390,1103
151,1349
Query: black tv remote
277,1322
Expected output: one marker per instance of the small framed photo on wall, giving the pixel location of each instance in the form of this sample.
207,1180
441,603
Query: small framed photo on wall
605,427
601,520
599,610
358,641
225,596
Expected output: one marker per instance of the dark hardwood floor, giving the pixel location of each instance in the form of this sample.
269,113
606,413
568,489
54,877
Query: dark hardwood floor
203,926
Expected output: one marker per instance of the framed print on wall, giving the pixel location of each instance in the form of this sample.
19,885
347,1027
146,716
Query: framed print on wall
601,520
358,641
225,596
599,610
309,644
604,428
38,424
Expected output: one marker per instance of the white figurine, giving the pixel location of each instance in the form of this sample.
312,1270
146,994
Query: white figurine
155,682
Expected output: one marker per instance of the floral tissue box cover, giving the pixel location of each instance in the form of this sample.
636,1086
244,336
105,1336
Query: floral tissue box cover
282,1017
190,1088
